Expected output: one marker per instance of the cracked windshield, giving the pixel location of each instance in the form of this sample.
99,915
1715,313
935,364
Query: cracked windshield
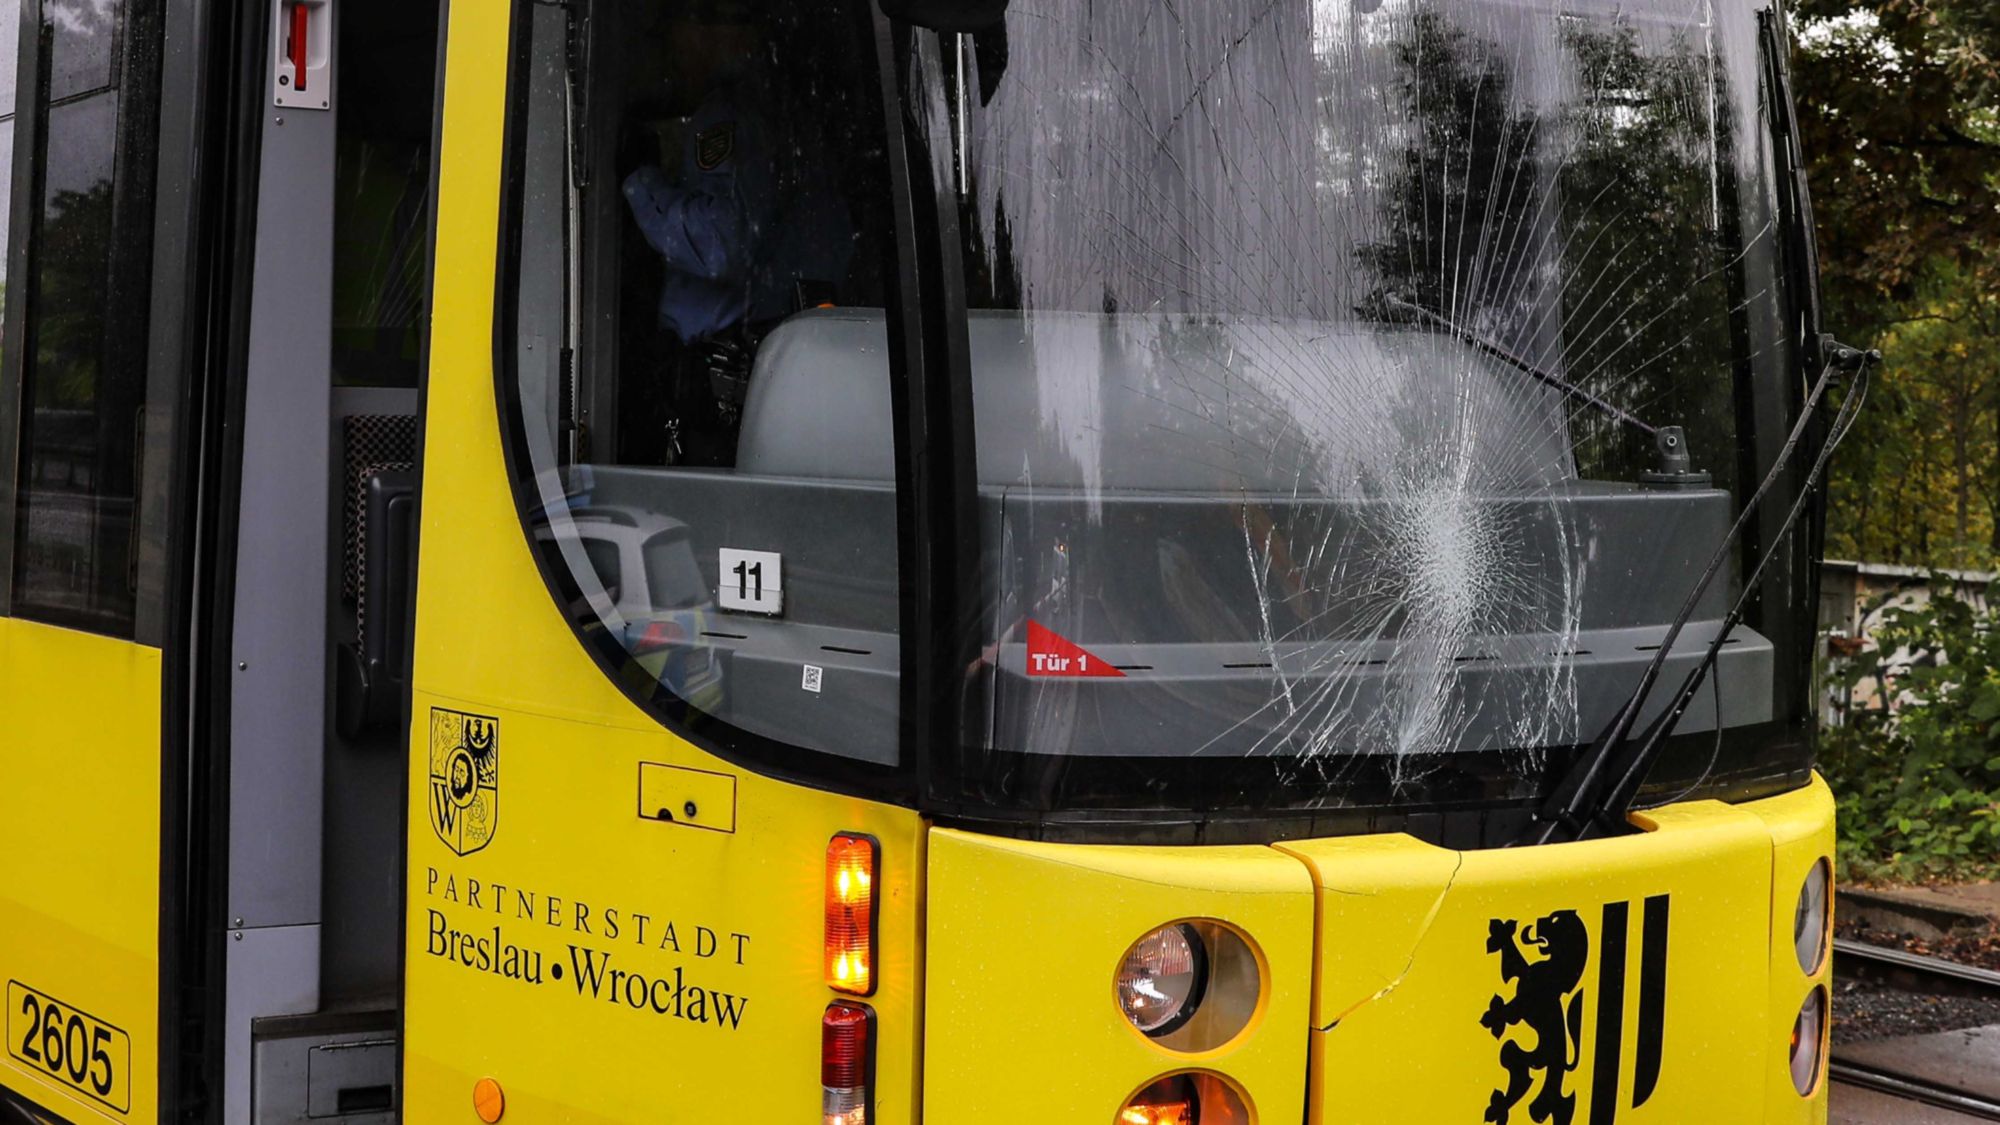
1357,387
1360,383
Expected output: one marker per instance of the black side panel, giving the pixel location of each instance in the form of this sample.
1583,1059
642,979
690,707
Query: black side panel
183,82
224,49
409,620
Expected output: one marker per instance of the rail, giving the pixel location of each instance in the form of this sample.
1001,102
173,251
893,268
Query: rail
1933,974
1879,962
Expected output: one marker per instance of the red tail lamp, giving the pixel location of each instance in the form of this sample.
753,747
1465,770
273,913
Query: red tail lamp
850,914
845,1058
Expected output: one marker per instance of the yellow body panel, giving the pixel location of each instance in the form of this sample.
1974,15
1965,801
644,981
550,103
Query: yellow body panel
1407,972
1025,939
1801,827
80,882
565,821
607,967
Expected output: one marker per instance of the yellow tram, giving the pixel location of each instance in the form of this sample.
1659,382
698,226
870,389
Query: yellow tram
1144,562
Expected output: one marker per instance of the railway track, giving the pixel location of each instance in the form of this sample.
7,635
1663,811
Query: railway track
1912,972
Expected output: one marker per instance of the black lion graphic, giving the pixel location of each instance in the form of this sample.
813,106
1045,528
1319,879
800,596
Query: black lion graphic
1540,989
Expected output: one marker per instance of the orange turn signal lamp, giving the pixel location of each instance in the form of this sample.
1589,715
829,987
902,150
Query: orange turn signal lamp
1148,1112
489,1102
850,913
1183,1099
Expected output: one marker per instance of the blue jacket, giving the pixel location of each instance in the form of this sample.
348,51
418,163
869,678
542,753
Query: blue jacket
733,247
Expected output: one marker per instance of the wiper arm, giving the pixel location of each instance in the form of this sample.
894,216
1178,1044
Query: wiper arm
1401,308
1598,790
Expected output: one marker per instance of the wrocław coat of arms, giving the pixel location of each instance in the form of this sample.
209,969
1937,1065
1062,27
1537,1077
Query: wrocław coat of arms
465,779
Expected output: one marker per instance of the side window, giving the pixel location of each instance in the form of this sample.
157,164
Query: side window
10,55
381,200
696,345
73,359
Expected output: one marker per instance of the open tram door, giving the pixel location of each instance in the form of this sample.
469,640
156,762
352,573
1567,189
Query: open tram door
217,259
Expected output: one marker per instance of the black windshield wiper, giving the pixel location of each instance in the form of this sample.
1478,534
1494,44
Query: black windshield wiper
1597,792
1399,309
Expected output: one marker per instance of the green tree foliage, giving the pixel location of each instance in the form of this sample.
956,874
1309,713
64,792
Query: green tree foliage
75,262
1897,106
1919,791
1553,227
1640,186
1919,481
1899,101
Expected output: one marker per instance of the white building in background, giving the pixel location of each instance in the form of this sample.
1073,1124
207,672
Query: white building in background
1853,596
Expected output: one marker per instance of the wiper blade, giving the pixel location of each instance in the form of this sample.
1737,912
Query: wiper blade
1597,792
1404,309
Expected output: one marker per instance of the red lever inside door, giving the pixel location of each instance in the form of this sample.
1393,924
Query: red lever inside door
297,46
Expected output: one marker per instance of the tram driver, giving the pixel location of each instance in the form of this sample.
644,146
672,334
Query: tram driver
713,184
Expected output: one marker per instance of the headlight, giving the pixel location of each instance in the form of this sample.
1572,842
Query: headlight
1162,978
1808,1032
1809,920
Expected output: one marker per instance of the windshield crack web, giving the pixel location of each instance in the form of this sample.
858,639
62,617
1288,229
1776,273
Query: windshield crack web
1210,224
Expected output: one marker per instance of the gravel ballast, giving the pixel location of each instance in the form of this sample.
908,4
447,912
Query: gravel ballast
1864,1010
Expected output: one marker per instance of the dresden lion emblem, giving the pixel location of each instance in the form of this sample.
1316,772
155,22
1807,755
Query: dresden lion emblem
465,779
1548,1003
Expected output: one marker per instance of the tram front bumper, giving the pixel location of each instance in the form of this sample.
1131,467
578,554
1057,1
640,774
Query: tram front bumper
1647,978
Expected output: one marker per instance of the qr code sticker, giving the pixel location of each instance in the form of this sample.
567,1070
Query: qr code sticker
810,680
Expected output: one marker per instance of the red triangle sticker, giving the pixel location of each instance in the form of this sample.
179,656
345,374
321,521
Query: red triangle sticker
1049,654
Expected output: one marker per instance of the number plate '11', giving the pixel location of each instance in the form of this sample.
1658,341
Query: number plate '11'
750,581
70,1046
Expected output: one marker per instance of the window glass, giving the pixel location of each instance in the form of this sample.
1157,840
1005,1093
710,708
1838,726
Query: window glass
10,54
83,373
382,167
603,555
673,578
703,202
1322,354
83,45
10,58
